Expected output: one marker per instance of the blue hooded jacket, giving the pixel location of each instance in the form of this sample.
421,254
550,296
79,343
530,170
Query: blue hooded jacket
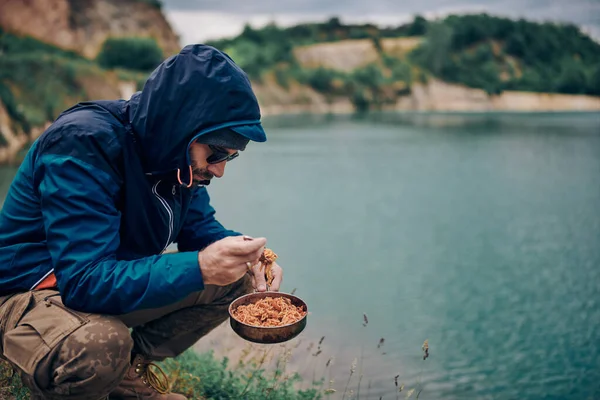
97,199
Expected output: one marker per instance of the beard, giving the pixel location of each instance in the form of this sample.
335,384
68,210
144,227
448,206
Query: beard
201,176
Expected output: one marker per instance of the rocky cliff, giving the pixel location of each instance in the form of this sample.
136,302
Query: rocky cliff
347,55
83,25
441,96
435,95
432,96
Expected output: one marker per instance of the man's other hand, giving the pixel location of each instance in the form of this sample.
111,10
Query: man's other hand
259,281
224,261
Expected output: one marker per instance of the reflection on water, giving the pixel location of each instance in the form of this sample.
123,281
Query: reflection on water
477,232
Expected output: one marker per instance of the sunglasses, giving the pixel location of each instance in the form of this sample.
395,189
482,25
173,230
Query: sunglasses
219,154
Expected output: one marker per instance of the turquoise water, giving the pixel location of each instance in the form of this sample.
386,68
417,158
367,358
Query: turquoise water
480,233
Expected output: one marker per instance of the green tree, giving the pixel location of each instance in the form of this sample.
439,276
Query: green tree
369,76
572,80
436,50
141,54
321,79
418,27
594,82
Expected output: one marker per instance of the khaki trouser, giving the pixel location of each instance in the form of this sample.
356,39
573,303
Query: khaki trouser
66,354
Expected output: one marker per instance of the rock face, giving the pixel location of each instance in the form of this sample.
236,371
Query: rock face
347,55
83,25
344,55
442,96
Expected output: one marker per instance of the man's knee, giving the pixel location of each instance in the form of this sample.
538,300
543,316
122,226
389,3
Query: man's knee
89,362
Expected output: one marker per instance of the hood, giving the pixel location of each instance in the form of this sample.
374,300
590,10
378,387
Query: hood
192,93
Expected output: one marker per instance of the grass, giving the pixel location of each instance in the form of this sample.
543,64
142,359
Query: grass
10,384
258,372
202,376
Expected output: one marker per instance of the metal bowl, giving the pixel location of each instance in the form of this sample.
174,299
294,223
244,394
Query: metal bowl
267,334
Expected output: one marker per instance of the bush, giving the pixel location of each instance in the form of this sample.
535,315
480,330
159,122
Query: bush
320,79
418,26
11,44
399,70
141,54
282,77
257,51
434,53
360,102
12,108
572,80
370,76
46,85
594,82
38,80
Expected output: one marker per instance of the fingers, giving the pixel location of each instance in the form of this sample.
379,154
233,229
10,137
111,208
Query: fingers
277,277
254,257
259,277
244,247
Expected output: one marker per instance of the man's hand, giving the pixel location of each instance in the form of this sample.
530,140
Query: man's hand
224,261
259,281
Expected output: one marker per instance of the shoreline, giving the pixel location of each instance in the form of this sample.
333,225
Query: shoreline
9,154
438,112
434,96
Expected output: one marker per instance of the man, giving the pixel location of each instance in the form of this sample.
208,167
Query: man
99,197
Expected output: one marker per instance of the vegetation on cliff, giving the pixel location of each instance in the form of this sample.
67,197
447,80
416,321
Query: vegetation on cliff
38,80
138,54
499,54
480,51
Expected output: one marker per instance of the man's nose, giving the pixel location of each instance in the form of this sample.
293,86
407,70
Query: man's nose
217,170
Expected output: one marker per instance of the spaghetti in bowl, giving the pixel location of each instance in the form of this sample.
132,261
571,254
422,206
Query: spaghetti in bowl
268,317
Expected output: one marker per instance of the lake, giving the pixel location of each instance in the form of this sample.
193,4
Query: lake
480,233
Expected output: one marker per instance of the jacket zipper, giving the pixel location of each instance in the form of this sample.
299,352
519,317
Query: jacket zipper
169,212
42,279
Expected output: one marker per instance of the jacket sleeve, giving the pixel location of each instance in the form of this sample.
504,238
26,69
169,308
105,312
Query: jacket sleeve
200,227
82,228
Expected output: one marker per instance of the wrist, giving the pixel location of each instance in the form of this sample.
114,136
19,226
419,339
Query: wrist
201,267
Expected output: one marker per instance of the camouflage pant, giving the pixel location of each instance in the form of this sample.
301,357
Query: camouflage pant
66,354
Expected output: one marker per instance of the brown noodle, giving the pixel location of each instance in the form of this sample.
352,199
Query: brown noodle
270,311
267,259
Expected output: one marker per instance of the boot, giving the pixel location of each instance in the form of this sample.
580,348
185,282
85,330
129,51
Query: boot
141,382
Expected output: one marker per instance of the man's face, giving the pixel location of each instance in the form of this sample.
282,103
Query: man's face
202,170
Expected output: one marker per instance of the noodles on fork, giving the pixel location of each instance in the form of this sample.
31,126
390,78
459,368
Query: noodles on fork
267,259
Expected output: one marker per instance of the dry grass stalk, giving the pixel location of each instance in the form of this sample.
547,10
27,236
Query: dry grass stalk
425,349
352,369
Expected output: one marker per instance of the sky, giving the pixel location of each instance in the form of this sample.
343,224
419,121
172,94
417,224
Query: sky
200,20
